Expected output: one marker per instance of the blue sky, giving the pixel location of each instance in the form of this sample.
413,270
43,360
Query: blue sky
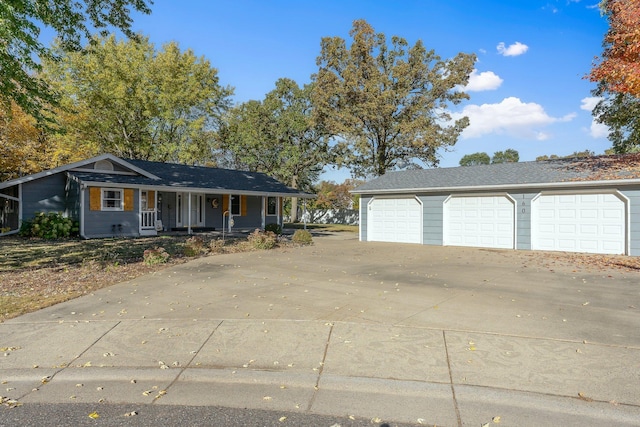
527,93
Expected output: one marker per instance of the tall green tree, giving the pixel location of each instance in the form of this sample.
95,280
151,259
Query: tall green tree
480,158
507,156
277,136
387,105
21,52
141,103
621,113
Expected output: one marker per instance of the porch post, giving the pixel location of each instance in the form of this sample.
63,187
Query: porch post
304,215
263,217
189,214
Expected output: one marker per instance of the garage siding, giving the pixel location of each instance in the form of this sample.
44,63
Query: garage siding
634,223
523,219
364,202
433,223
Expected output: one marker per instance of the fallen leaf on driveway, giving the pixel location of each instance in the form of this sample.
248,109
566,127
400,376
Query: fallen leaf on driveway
582,396
94,415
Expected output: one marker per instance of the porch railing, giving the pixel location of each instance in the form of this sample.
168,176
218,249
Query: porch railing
148,220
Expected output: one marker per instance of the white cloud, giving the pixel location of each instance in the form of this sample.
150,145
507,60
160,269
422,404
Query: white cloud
487,80
512,50
590,102
509,117
596,130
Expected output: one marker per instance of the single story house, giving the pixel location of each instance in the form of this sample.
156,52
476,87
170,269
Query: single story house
573,205
110,196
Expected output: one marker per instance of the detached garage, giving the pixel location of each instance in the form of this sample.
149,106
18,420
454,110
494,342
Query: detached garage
574,205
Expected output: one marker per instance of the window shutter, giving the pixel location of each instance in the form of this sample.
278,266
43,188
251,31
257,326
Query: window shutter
225,203
94,198
243,205
280,207
128,199
151,199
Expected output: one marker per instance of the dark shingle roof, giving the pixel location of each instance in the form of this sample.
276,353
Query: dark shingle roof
523,174
194,177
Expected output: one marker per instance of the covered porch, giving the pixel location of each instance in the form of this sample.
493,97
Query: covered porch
162,211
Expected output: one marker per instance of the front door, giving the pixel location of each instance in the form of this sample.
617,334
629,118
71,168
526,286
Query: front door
197,210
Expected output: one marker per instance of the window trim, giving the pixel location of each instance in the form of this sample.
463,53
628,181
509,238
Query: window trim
232,198
111,208
275,206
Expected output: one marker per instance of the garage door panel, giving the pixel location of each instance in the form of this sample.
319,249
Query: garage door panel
592,223
482,221
395,220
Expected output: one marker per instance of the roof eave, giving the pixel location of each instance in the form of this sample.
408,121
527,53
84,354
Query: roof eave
64,168
170,188
600,183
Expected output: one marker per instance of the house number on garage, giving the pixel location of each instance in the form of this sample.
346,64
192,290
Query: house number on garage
524,209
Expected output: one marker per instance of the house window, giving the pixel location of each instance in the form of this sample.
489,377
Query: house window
235,205
112,199
272,205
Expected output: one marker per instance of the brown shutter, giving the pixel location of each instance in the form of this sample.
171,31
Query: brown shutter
281,203
225,203
243,205
128,199
151,199
94,198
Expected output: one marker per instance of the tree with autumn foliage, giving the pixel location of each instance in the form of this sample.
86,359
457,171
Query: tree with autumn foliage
618,75
27,148
618,70
330,195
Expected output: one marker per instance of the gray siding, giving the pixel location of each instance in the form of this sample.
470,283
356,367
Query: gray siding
523,219
72,192
213,216
253,218
364,204
111,223
432,221
46,194
634,220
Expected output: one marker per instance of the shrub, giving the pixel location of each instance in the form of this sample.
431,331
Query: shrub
194,246
156,255
302,237
216,244
274,228
262,239
50,225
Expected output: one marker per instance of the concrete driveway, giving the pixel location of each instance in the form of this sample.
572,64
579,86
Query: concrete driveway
384,332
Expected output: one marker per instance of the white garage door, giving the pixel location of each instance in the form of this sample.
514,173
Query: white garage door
395,220
486,221
592,223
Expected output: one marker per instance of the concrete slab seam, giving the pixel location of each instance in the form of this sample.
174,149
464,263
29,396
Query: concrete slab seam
453,390
188,364
50,378
321,369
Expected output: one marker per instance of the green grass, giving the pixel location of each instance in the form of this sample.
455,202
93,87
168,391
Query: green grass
20,253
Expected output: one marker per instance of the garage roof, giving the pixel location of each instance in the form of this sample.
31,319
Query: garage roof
589,172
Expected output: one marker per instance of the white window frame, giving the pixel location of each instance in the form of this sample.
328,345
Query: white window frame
275,213
237,197
103,198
